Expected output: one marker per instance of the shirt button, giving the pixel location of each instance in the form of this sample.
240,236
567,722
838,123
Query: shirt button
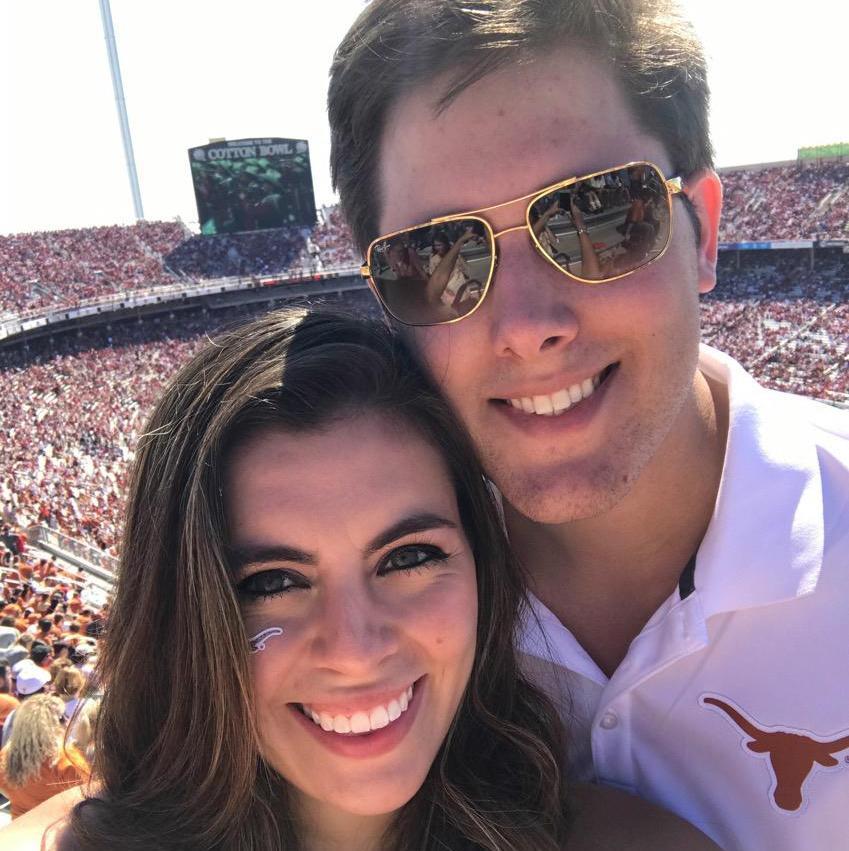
609,720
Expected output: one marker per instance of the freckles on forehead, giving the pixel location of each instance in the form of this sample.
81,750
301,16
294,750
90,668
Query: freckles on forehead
514,131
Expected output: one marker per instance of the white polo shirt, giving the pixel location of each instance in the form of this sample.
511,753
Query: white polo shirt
731,707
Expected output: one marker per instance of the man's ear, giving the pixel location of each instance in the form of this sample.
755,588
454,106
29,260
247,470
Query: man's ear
705,193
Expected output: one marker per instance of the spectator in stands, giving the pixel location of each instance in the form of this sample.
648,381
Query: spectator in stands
41,654
44,630
36,763
82,657
20,650
8,633
58,664
67,686
8,702
82,727
30,681
11,540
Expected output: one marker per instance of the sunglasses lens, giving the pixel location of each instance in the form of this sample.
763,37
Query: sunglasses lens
433,274
623,214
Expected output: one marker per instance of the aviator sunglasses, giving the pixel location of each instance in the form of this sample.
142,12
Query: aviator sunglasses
595,229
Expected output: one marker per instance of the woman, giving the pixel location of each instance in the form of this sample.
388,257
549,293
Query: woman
457,269
68,684
308,539
36,764
82,726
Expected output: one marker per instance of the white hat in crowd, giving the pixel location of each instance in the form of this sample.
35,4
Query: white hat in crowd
31,679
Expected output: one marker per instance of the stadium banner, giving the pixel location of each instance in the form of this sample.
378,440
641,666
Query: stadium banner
792,243
253,184
832,243
766,246
820,152
744,246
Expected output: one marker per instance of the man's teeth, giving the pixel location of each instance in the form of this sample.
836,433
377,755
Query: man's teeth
362,722
557,402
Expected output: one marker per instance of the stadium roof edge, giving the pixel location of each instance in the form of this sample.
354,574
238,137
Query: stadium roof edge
794,161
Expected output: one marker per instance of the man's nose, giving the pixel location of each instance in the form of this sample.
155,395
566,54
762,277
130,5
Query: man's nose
531,307
354,631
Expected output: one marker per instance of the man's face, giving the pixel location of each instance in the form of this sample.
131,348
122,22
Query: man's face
628,349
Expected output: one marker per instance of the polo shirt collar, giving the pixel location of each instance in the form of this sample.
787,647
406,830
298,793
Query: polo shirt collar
764,543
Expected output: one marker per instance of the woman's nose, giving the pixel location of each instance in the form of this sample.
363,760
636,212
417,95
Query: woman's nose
355,631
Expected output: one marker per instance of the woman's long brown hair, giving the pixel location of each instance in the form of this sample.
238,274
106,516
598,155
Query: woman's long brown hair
177,747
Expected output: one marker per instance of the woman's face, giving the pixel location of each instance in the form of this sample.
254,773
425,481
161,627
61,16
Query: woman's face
348,539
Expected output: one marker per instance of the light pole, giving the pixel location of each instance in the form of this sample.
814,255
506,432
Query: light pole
118,87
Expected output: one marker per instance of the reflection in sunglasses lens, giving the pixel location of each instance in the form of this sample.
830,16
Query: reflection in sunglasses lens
435,273
604,226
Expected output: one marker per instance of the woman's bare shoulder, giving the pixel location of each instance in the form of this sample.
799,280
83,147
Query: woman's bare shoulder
43,827
606,819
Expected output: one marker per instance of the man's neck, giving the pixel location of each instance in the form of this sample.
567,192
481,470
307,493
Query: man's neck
605,576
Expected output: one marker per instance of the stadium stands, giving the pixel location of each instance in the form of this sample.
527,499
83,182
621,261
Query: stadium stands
39,271
43,270
263,252
786,323
799,201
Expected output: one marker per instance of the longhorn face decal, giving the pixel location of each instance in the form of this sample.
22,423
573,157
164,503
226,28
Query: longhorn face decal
792,754
259,640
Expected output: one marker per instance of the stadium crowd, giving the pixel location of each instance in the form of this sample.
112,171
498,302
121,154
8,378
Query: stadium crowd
333,241
48,696
262,252
786,323
806,200
48,269
45,270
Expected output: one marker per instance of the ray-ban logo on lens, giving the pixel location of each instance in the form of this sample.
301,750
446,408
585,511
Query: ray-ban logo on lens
792,754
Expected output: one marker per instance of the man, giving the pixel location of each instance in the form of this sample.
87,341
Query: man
8,702
685,532
8,633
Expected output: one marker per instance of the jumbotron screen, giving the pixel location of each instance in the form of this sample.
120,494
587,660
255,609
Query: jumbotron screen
252,184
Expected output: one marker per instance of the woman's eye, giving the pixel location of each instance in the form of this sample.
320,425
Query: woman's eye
411,557
270,583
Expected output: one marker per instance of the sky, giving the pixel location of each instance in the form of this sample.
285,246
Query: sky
200,69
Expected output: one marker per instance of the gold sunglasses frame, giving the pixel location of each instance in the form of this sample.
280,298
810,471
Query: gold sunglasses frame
673,186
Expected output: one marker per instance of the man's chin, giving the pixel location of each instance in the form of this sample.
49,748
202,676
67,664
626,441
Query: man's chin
559,497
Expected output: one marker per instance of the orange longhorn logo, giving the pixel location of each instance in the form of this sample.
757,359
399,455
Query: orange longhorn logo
792,755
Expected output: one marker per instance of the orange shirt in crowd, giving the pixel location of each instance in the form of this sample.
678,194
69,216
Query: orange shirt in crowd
7,704
26,571
71,769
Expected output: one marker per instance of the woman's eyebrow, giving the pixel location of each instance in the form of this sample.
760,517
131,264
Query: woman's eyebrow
241,557
409,526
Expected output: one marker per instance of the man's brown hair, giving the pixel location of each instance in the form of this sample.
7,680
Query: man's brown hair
396,46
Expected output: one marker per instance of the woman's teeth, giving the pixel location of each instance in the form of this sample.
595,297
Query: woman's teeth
361,722
557,403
